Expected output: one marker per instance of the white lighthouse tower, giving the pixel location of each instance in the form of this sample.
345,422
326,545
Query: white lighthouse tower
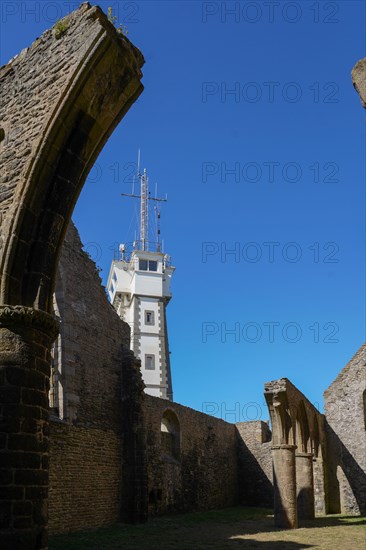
139,289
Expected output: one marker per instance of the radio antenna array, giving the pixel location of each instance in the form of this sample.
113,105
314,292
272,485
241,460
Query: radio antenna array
144,207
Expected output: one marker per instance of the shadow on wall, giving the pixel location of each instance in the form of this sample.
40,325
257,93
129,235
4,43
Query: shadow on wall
255,489
340,459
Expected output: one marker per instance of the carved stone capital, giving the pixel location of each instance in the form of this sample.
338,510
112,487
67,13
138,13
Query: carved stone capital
284,447
16,316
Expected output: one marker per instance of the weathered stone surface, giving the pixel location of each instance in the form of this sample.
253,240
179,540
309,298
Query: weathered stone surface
85,477
305,485
61,99
96,391
25,340
203,474
284,486
87,364
295,422
359,79
255,463
345,412
134,458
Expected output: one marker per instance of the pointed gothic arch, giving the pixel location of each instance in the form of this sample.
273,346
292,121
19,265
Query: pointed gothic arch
84,82
302,429
93,99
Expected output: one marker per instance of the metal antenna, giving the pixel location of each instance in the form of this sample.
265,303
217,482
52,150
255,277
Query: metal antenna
144,210
138,163
157,212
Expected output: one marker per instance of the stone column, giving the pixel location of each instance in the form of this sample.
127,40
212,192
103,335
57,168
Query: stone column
284,481
26,337
305,485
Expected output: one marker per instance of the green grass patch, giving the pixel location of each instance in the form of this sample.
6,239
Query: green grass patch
232,527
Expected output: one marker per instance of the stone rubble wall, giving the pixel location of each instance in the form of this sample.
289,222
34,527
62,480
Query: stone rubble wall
345,413
205,475
85,478
30,83
255,463
92,341
86,444
359,79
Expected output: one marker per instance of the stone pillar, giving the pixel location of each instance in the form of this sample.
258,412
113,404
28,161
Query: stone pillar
305,485
26,337
284,481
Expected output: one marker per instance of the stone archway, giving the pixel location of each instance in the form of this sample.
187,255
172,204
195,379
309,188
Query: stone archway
304,466
83,82
292,453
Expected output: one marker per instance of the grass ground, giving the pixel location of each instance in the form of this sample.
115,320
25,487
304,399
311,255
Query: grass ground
229,528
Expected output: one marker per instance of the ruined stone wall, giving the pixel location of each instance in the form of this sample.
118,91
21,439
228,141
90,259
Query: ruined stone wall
32,81
203,474
345,412
85,477
320,494
92,476
255,463
60,100
359,79
87,365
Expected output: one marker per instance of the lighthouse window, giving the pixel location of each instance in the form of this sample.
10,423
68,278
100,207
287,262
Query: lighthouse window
149,318
148,265
150,362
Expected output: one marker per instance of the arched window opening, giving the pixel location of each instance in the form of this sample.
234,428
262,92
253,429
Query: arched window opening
170,435
288,427
302,429
299,435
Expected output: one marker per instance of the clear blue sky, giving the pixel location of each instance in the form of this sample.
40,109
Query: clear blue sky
293,132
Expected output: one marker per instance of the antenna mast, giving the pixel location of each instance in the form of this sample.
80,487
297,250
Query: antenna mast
144,206
144,210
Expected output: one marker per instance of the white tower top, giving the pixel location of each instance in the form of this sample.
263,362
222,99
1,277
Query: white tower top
139,289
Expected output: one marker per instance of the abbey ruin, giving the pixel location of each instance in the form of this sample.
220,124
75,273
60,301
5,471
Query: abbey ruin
77,429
